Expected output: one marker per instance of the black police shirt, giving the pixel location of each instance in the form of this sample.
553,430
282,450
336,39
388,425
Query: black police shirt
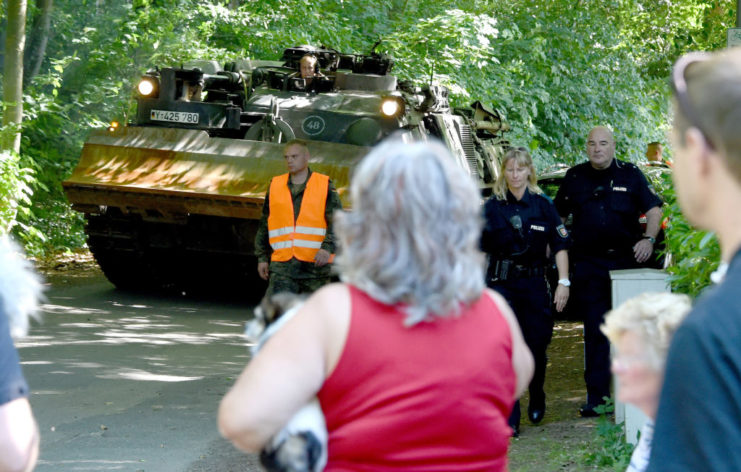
606,206
521,230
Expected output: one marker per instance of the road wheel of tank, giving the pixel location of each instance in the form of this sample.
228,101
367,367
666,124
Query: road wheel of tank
121,270
118,245
223,276
268,131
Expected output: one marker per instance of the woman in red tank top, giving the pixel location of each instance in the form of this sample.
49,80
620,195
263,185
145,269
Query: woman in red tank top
416,365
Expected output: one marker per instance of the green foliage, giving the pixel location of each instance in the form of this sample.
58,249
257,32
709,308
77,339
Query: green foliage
609,449
554,79
15,192
695,253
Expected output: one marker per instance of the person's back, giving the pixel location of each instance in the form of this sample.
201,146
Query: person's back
708,344
456,373
698,426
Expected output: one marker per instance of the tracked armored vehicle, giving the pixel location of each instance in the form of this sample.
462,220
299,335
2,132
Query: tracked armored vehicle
173,198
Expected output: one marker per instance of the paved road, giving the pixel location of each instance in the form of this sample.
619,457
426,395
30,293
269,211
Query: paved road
132,383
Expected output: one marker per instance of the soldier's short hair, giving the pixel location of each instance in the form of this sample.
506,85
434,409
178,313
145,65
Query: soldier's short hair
309,58
300,143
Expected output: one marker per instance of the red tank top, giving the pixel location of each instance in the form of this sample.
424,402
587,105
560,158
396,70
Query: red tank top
435,396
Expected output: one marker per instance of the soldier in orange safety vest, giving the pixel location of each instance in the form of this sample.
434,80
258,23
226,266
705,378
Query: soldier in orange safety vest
295,244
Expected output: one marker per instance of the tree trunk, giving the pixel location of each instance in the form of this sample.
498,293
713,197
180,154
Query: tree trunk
38,39
234,4
3,29
13,74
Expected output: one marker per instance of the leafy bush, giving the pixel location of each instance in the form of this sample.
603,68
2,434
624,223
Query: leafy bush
15,190
610,449
695,254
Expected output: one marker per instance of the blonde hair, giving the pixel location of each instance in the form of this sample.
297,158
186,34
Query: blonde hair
654,317
522,157
412,236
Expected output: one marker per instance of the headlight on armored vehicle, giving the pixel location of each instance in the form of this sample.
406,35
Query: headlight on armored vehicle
148,87
392,106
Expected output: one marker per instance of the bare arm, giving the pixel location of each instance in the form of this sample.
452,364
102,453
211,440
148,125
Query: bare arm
653,221
561,296
19,437
643,249
288,371
522,359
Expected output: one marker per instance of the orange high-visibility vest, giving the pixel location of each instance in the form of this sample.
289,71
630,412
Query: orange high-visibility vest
303,238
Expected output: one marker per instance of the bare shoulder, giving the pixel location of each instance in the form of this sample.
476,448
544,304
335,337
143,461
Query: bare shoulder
502,304
497,298
330,300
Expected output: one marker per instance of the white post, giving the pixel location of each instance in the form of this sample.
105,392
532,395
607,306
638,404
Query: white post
627,284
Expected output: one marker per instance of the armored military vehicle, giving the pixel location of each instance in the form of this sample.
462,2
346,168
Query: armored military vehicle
173,198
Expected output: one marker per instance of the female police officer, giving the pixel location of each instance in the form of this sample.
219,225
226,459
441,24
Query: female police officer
521,227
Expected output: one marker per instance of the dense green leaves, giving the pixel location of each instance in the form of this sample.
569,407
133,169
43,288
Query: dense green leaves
15,188
695,254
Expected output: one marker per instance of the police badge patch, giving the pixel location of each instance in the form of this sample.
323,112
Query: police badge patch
562,231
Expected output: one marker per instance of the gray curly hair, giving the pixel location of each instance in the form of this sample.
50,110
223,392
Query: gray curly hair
413,233
20,288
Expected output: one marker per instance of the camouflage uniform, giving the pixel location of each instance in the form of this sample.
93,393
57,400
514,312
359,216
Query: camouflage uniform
296,276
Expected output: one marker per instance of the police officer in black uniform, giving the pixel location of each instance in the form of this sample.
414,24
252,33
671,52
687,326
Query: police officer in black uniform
606,198
521,226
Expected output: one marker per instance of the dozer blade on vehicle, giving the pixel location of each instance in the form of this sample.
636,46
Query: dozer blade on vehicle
168,173
165,202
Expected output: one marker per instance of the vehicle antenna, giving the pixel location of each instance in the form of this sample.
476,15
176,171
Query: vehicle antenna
375,45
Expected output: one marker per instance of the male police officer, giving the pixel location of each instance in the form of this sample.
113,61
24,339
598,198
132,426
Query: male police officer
698,426
295,231
606,198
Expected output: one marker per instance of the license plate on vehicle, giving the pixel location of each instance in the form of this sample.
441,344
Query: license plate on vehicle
174,116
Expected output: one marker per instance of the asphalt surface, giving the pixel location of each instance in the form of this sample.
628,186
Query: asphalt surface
132,382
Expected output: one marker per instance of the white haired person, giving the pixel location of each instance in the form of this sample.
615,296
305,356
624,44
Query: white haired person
415,363
20,289
641,329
